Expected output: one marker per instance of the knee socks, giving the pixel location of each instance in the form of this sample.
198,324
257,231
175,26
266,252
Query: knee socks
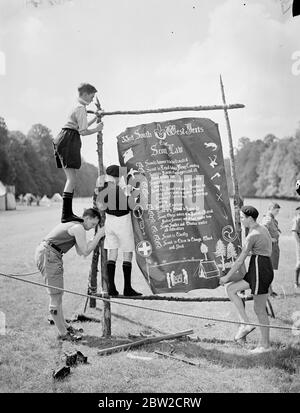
111,268
67,204
127,266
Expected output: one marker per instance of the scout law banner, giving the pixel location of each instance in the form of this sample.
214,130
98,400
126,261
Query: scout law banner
184,233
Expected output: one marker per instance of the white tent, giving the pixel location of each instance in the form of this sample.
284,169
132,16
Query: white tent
7,197
56,198
2,197
45,201
10,201
29,198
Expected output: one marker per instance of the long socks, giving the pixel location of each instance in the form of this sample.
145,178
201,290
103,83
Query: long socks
111,269
128,290
67,211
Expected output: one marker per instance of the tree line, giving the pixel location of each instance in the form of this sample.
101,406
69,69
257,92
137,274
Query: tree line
266,168
27,161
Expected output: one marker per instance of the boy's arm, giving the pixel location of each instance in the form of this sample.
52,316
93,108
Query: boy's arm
82,246
83,123
85,132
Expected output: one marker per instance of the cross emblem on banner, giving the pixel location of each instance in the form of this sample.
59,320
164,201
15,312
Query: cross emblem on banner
144,248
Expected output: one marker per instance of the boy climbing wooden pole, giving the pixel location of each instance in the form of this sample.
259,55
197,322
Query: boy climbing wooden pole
67,146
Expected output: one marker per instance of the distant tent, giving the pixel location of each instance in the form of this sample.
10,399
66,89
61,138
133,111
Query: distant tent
2,197
10,198
45,201
7,197
56,197
29,198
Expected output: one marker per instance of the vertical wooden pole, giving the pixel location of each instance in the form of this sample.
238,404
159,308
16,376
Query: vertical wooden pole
238,202
106,330
93,274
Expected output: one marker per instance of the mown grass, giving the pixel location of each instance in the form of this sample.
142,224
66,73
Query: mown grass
29,351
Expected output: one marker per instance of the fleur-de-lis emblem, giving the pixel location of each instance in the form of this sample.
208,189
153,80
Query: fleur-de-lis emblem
160,133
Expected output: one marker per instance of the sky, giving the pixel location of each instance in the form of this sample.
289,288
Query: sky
147,54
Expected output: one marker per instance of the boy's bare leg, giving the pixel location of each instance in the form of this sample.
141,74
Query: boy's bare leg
113,255
232,290
71,175
260,302
127,256
56,313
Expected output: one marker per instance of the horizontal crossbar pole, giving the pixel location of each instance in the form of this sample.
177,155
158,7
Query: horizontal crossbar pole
165,298
174,109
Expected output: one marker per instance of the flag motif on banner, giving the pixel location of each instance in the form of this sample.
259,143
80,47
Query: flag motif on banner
184,233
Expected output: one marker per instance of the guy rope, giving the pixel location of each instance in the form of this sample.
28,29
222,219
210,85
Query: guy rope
197,317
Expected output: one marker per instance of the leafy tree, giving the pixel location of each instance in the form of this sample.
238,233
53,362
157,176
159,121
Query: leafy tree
4,162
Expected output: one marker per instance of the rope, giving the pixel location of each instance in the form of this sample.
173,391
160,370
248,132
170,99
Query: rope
154,309
24,275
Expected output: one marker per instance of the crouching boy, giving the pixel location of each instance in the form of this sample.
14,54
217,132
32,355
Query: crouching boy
48,258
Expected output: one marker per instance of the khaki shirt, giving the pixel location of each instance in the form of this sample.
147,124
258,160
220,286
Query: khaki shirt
77,118
271,224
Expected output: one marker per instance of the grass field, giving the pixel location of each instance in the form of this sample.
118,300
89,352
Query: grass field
29,350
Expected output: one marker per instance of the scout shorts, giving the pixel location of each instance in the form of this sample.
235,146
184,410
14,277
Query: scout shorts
67,147
50,264
260,274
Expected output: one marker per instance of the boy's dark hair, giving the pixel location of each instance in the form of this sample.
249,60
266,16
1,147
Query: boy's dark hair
86,88
92,213
250,211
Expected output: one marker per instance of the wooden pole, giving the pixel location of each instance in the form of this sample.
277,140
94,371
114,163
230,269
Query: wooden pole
238,202
171,298
138,343
174,109
99,250
93,274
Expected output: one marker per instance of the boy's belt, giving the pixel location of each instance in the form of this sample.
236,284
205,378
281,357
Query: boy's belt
54,246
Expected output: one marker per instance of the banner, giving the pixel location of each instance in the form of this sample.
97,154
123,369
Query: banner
184,232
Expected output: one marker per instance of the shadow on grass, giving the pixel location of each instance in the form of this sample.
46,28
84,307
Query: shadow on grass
287,359
137,323
103,342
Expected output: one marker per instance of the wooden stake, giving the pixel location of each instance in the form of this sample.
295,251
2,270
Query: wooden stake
238,203
138,343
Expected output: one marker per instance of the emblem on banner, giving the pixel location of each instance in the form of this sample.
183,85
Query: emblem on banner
160,133
144,249
229,234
